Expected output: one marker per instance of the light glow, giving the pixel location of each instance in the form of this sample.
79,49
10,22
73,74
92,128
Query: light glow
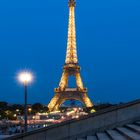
25,77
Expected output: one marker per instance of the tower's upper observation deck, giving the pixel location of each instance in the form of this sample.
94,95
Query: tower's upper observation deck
72,3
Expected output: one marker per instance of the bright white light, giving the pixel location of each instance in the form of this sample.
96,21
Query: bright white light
25,77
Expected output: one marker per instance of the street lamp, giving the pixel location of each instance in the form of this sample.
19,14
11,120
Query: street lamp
25,78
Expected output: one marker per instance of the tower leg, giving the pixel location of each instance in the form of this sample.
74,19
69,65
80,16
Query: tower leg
86,100
53,105
64,81
79,81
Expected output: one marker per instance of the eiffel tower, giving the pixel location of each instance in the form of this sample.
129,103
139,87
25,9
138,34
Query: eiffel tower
71,68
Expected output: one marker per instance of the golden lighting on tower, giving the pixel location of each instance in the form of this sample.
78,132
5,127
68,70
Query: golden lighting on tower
71,68
71,54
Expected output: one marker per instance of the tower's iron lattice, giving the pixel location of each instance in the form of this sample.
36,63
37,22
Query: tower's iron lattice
71,68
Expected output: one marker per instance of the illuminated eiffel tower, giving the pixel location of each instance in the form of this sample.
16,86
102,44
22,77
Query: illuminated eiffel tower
71,68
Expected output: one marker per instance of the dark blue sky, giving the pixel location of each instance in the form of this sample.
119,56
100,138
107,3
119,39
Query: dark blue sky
33,34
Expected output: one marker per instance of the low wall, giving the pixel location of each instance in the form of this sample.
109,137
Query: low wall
102,120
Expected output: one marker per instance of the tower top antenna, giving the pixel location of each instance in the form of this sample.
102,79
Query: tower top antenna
72,3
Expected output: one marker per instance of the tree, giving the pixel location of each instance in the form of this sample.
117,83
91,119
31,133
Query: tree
37,107
3,105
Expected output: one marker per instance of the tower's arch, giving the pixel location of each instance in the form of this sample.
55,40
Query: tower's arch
72,100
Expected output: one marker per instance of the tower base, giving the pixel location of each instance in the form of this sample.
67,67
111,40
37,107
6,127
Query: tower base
69,94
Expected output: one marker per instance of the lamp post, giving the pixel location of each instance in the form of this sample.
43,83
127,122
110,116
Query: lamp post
25,78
